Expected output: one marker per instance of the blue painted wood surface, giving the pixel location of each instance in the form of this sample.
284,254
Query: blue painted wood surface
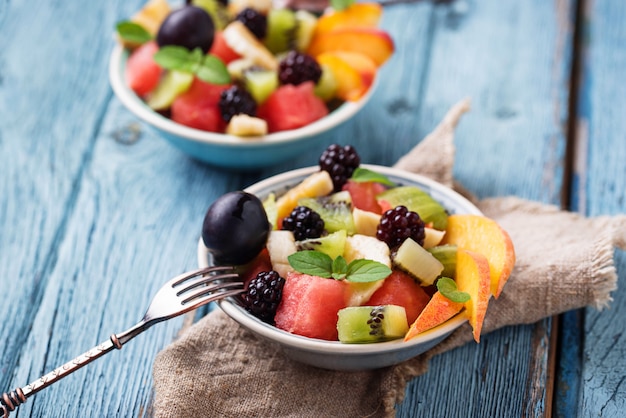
91,225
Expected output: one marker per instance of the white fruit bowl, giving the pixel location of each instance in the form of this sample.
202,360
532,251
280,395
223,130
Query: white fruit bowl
335,355
227,150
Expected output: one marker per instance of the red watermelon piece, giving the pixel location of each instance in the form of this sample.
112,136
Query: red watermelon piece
221,49
363,194
142,72
401,289
197,107
292,107
310,304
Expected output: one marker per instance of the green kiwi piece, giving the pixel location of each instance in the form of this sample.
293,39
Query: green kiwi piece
169,88
216,10
281,30
367,324
260,83
332,244
306,22
335,210
271,210
417,200
326,87
446,254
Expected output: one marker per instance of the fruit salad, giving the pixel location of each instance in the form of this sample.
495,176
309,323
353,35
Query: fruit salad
245,68
347,255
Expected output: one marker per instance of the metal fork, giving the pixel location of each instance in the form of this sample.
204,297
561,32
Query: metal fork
181,294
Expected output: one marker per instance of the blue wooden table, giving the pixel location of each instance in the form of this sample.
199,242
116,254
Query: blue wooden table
92,224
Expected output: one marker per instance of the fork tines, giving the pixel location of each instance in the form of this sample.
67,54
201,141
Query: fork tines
212,283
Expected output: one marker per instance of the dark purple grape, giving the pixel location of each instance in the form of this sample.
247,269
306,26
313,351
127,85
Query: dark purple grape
190,27
235,228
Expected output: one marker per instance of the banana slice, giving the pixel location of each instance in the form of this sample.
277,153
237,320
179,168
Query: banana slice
244,125
242,41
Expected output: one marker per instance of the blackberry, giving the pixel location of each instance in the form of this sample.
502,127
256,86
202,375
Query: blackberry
398,224
263,295
254,20
304,223
340,163
296,68
234,101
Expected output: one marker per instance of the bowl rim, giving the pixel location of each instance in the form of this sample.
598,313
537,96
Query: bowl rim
133,103
270,332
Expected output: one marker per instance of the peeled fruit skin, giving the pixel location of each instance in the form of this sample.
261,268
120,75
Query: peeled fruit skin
235,228
310,305
484,236
400,289
472,276
438,310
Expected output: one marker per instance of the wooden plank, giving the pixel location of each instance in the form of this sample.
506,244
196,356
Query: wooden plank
593,384
513,142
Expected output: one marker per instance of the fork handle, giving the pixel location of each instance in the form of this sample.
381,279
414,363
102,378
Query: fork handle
11,400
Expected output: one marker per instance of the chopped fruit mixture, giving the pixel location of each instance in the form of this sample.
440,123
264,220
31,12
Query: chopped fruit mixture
279,69
348,255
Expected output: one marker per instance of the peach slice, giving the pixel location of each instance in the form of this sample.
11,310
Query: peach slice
485,236
363,64
372,42
357,15
438,310
350,85
472,276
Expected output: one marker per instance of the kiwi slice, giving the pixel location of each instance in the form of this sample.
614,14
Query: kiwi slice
281,30
306,23
271,210
260,83
367,324
169,88
331,244
446,254
418,262
216,10
417,200
326,87
335,210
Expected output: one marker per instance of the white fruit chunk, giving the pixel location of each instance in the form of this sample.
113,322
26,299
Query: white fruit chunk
244,125
414,259
365,222
360,293
239,38
369,248
432,237
280,245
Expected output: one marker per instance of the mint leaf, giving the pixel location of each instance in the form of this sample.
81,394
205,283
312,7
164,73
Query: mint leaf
314,263
340,268
133,32
340,4
208,68
213,70
361,175
447,287
365,271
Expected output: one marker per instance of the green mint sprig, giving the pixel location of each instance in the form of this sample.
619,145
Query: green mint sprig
447,287
340,4
319,264
133,32
207,68
361,175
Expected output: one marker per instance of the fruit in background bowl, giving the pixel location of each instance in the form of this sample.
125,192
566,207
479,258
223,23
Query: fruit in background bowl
401,283
268,52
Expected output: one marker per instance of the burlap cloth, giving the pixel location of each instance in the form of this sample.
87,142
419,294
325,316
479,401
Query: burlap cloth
218,369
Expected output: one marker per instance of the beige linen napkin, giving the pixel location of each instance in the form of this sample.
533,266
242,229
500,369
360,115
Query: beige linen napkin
216,368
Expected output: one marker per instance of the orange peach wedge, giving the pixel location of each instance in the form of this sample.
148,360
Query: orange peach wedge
483,235
472,277
357,15
438,310
372,42
353,71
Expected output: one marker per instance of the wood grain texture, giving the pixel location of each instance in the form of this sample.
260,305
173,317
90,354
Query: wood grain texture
595,382
512,142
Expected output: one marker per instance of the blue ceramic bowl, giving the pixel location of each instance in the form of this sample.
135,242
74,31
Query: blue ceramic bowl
335,355
227,150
